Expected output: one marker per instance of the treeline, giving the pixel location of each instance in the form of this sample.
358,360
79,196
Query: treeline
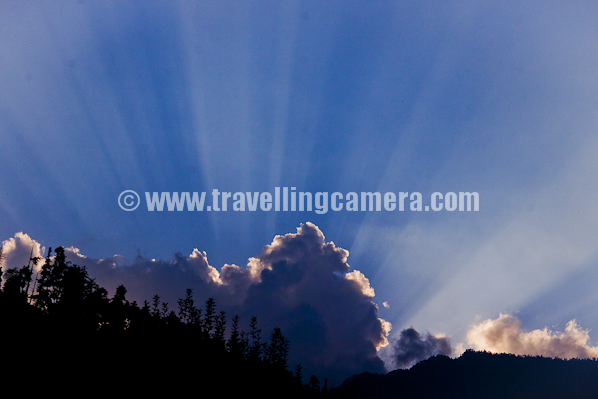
61,330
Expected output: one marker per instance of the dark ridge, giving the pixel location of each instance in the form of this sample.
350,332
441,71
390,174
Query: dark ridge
479,375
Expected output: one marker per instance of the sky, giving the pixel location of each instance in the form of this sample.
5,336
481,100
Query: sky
494,97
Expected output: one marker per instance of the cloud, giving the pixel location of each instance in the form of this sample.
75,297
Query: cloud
362,282
18,249
412,347
504,335
299,282
305,286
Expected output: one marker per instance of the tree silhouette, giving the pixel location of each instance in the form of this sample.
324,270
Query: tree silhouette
156,307
314,383
207,323
277,350
220,328
234,345
255,350
16,280
188,313
43,298
298,376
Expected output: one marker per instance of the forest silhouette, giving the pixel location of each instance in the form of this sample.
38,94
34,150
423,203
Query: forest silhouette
62,333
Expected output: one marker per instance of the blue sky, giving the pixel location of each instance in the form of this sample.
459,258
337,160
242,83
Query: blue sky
495,97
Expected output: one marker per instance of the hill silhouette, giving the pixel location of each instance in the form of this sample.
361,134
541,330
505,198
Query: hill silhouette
479,375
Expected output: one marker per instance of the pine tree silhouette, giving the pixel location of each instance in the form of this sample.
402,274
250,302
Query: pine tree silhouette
298,376
255,350
277,351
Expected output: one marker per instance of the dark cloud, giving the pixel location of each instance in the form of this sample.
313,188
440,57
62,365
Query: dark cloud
306,286
299,282
412,347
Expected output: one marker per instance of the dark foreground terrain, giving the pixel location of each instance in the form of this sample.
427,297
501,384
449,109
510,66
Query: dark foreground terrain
61,333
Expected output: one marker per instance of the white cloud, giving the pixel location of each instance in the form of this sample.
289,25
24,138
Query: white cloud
16,251
505,335
362,281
